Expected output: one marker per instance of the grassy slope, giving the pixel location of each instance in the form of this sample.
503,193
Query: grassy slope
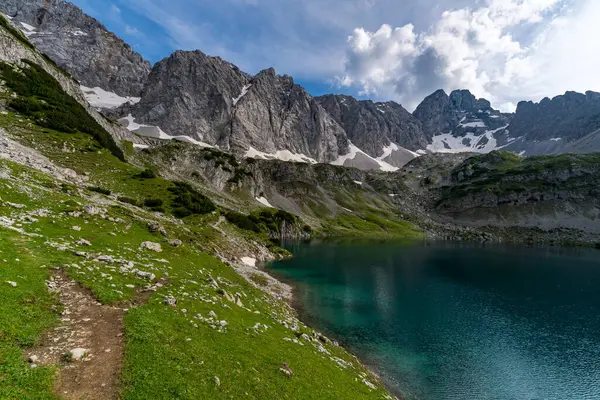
502,173
158,352
160,360
171,352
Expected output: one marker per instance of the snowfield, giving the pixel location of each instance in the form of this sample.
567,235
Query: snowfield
100,98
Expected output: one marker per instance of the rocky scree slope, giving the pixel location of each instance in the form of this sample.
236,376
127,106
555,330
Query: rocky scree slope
80,44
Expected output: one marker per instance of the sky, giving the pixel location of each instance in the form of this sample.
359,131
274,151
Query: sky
400,50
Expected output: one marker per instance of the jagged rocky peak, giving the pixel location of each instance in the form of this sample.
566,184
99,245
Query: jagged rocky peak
80,44
464,100
210,100
435,113
374,127
461,122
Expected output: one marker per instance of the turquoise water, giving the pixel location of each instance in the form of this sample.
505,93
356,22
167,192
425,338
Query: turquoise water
448,321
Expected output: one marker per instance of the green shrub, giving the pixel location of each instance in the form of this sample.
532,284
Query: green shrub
268,220
148,173
153,203
245,222
100,190
129,200
181,212
41,98
188,201
68,188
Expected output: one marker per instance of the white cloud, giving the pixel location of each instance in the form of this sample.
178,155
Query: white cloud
479,49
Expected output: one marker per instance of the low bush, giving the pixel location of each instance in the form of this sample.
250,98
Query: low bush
188,201
268,220
151,203
245,222
148,174
129,200
100,190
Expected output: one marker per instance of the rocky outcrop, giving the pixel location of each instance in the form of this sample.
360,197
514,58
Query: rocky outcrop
80,44
374,126
566,123
501,189
211,100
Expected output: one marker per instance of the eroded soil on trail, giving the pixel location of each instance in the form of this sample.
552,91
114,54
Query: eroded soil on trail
86,325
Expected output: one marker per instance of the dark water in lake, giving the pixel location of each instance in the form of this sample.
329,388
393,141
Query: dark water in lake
452,321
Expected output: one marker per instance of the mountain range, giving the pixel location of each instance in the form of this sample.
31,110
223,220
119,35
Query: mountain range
190,96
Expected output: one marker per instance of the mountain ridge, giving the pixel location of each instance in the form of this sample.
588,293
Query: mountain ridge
269,116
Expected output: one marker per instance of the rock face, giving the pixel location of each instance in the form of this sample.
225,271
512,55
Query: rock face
570,117
80,44
558,125
373,126
211,100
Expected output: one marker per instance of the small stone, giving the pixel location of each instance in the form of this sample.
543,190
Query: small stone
217,381
11,283
151,246
154,226
223,323
212,314
106,258
170,301
176,243
93,210
145,275
130,286
83,242
78,354
76,228
32,366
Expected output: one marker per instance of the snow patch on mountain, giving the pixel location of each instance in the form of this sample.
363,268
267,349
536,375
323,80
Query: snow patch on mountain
470,142
244,92
155,132
359,159
283,155
262,200
473,124
27,29
100,98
